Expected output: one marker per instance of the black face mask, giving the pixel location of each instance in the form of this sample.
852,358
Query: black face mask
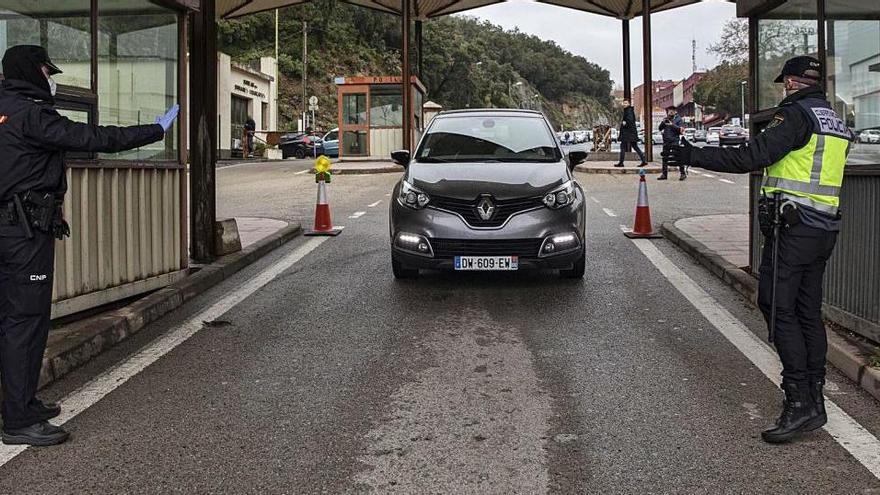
25,63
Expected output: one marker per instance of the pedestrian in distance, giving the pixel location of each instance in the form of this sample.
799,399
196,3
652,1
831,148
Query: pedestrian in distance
671,128
802,151
33,139
628,134
250,129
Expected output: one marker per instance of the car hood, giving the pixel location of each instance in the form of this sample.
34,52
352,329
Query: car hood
504,181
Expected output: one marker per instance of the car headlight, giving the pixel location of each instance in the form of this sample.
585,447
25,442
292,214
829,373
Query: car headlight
558,244
563,196
414,243
411,197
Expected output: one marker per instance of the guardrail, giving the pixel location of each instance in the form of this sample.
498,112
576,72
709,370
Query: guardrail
852,280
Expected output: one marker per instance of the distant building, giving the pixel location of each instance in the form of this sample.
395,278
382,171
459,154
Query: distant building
669,93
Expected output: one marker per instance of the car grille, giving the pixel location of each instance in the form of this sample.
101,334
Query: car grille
448,248
468,209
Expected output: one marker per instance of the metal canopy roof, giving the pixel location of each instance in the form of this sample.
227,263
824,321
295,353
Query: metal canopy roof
425,9
621,9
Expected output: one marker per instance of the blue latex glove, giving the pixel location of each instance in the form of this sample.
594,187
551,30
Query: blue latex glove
166,120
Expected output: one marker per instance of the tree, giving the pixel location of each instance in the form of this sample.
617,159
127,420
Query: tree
720,88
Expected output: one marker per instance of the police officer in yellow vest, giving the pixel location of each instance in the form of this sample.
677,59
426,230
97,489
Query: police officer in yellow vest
802,152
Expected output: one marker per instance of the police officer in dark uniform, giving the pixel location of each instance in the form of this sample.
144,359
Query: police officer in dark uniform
803,152
33,139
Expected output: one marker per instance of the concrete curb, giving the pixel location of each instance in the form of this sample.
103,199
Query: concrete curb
844,355
364,171
611,170
74,345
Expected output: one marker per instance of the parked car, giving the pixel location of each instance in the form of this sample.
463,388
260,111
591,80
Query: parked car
614,135
330,144
871,136
298,144
700,135
689,134
713,136
488,190
732,135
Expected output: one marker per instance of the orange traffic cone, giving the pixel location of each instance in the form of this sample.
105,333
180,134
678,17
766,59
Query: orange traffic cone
323,221
642,228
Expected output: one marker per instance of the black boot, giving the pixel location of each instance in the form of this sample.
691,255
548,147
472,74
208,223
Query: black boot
40,434
819,404
797,412
46,410
618,164
662,177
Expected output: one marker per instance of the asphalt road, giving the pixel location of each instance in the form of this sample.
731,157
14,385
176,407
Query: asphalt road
322,374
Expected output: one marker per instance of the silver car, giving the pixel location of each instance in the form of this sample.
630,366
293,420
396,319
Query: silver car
488,190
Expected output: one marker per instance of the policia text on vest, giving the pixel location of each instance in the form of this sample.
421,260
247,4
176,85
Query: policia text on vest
802,153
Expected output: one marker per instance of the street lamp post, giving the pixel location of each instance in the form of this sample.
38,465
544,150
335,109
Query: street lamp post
742,95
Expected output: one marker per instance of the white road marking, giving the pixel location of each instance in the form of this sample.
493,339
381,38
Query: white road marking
358,214
373,205
95,390
301,172
727,181
389,194
842,427
594,200
609,212
709,175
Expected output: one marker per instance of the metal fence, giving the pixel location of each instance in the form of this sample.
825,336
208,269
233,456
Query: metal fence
852,280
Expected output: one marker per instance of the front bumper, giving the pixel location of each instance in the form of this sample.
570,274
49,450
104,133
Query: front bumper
527,230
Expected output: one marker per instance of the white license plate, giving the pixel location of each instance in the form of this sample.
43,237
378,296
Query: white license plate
486,263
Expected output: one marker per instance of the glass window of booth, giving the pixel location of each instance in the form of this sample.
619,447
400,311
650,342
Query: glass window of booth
787,31
386,106
137,70
63,27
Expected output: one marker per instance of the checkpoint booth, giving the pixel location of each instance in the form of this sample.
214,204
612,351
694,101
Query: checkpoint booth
370,116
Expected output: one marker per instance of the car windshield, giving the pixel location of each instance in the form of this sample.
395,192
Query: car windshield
489,138
714,129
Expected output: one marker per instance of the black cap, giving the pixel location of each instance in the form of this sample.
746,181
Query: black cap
33,53
671,107
804,66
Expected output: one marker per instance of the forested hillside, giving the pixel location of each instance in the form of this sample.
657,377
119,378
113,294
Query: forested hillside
467,63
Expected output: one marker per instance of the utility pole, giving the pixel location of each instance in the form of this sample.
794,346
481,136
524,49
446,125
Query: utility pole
305,73
742,95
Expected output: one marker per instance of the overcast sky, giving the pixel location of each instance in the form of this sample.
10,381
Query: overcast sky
598,38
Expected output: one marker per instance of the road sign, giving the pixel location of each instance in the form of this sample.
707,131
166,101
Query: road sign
313,100
313,108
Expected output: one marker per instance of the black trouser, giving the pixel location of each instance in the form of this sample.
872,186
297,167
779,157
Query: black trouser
666,146
624,147
26,273
800,333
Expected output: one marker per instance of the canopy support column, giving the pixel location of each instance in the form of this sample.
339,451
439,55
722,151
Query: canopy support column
406,94
203,132
419,48
648,86
627,72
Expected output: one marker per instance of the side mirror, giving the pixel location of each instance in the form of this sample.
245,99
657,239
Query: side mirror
401,157
575,158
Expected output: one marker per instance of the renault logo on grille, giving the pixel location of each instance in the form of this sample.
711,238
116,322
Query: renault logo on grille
486,208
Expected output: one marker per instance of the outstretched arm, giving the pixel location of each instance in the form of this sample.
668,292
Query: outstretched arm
786,132
51,129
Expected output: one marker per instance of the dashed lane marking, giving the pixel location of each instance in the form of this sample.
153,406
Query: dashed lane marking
709,175
301,172
594,200
95,390
846,431
727,181
387,195
609,212
373,205
358,214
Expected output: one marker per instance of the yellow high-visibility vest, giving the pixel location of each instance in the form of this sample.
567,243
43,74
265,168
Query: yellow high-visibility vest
812,175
